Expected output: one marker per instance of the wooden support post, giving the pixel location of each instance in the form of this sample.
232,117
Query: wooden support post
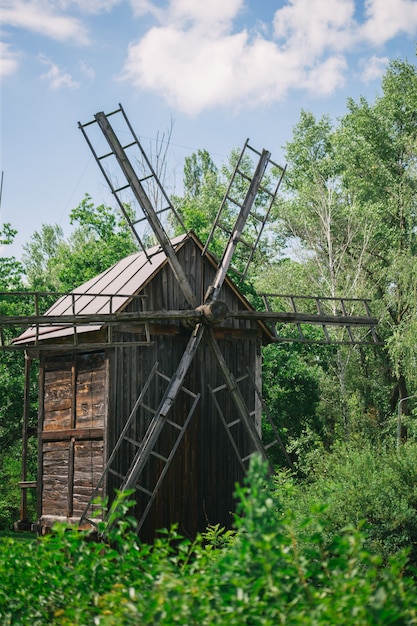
73,424
25,424
41,416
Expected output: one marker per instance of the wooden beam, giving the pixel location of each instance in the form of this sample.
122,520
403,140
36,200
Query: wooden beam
76,433
41,418
305,318
25,424
98,319
68,346
70,496
197,315
28,484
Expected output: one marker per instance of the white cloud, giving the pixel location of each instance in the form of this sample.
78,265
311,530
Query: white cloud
216,13
183,12
141,7
327,76
196,59
9,60
314,26
57,77
373,68
195,73
42,16
386,19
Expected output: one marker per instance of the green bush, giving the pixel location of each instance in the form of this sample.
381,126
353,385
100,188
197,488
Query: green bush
10,470
360,483
272,570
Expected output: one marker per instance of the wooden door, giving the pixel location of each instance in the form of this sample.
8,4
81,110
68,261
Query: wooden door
72,435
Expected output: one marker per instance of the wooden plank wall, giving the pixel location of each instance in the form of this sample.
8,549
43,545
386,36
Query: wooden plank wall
86,400
72,434
199,486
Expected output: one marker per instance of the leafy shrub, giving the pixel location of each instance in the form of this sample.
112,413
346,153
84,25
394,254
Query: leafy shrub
272,570
11,468
363,483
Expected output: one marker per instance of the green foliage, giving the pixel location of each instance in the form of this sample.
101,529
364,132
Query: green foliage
10,466
377,146
10,470
43,246
101,238
349,205
272,570
291,392
318,212
11,386
363,483
10,269
11,413
205,186
203,192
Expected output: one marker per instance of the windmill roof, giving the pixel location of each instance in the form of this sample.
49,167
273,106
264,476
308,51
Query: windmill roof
108,292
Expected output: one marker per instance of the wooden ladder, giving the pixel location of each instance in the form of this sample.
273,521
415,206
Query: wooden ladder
237,194
352,315
142,186
132,478
132,154
232,426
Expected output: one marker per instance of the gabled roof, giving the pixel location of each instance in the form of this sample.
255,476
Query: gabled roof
112,290
108,292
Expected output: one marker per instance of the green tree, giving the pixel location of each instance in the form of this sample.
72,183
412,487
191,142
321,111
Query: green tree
43,247
320,219
350,205
368,484
291,387
100,239
319,213
204,188
12,386
377,147
11,368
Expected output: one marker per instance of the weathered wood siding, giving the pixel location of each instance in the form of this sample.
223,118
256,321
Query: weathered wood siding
198,488
73,421
86,399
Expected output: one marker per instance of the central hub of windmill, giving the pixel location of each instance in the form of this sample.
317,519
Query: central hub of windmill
213,312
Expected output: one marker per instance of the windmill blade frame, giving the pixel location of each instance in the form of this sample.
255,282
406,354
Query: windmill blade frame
136,185
212,294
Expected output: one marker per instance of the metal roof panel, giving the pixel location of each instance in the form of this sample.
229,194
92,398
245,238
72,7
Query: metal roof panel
108,292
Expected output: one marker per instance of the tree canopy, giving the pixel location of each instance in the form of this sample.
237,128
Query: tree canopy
100,239
350,207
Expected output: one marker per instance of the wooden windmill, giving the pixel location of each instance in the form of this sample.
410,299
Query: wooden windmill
150,373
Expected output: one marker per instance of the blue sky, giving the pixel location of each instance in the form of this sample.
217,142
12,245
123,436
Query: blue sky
221,70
